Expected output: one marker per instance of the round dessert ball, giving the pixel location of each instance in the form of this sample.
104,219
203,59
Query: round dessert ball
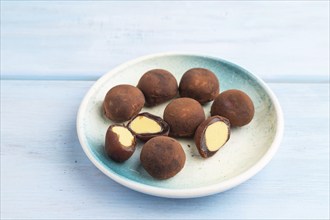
199,84
234,105
211,135
183,115
158,86
122,102
162,157
119,143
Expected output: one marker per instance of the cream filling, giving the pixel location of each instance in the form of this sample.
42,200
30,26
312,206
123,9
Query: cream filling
216,135
142,125
124,135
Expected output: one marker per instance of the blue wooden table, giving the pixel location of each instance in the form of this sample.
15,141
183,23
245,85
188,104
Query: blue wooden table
52,53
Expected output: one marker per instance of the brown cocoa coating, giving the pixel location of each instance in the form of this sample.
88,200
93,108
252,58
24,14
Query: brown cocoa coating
200,84
183,115
158,86
162,157
122,102
199,137
114,149
147,136
234,105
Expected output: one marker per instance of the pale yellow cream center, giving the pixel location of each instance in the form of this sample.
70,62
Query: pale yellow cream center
142,125
125,136
216,135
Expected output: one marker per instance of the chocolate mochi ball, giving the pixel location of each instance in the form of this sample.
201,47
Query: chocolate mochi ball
146,126
211,135
235,105
119,143
122,102
199,84
162,157
158,86
183,115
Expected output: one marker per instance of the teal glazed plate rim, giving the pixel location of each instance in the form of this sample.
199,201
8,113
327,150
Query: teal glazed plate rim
249,149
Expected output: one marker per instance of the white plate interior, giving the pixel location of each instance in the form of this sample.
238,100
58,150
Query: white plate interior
242,153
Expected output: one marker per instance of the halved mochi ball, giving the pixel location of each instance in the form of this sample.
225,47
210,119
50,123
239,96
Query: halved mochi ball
119,143
211,135
146,126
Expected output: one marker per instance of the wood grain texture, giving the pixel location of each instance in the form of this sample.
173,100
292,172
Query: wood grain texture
280,41
46,175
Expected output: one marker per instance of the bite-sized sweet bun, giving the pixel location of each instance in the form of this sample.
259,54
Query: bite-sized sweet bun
119,143
158,86
162,157
199,84
211,135
183,115
122,102
235,105
146,126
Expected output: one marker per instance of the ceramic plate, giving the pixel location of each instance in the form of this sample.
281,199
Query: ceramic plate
249,149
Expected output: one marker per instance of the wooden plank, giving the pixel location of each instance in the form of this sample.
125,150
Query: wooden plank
286,40
45,174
